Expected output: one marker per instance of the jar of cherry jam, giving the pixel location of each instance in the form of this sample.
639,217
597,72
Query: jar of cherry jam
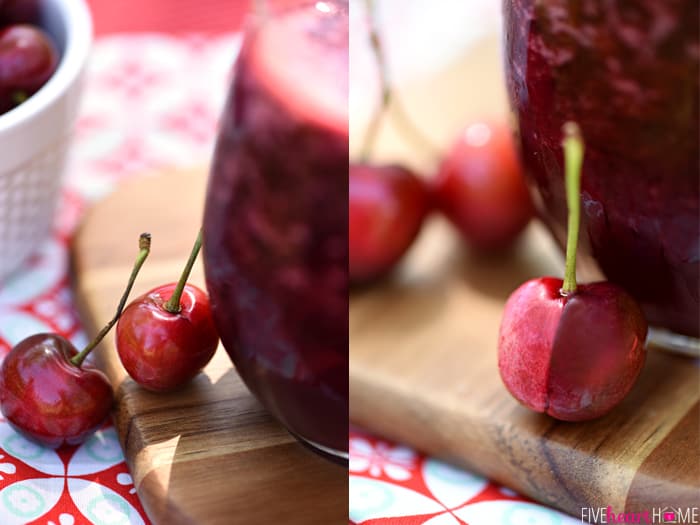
628,73
276,218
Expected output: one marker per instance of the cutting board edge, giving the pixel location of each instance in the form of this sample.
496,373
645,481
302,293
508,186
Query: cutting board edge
367,419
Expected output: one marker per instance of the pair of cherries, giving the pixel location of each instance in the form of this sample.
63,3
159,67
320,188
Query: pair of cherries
479,187
50,394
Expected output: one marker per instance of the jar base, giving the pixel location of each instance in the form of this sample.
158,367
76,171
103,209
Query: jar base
668,341
336,456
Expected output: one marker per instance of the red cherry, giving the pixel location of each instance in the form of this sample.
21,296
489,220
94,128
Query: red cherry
572,351
161,350
47,391
387,205
47,398
572,356
27,61
165,337
480,187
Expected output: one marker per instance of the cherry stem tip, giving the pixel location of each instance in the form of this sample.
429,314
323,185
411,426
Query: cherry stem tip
144,250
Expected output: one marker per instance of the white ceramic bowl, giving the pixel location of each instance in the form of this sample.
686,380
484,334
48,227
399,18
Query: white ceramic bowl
34,137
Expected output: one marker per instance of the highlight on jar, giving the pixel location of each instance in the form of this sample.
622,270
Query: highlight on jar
523,262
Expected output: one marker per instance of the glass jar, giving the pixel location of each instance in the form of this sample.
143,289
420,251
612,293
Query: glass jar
627,72
276,218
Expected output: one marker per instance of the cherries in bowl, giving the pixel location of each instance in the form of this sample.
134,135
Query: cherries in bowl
35,134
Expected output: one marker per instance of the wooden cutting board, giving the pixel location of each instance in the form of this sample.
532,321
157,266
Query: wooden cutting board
423,371
208,454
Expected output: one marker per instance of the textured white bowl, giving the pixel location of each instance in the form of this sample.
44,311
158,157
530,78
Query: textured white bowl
34,137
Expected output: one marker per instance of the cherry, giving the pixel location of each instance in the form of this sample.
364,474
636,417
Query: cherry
47,398
48,393
166,336
571,351
387,205
480,187
27,61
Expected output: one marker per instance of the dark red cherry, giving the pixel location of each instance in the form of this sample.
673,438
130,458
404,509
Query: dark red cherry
571,350
47,398
162,350
27,60
166,336
49,393
387,205
480,187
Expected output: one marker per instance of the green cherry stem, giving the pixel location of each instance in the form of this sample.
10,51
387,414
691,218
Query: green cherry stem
18,97
144,250
173,304
385,97
573,159
388,96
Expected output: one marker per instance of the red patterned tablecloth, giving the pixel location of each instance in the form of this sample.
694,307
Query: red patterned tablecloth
391,484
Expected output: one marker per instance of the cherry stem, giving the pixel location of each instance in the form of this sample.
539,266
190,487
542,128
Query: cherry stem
573,159
373,127
144,249
18,97
388,97
173,305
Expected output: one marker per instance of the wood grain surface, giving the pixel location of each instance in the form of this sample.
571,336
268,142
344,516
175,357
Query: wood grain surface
208,454
423,371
